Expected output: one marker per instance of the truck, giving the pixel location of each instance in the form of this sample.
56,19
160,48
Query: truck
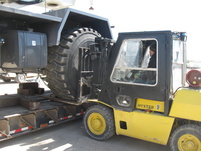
137,86
46,44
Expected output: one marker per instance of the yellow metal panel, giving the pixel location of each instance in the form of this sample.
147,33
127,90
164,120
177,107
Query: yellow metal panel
187,104
150,105
146,126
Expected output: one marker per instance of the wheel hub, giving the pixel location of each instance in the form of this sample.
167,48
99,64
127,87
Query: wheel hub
96,123
189,142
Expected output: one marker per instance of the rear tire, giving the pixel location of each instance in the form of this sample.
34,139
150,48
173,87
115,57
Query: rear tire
62,70
99,122
186,138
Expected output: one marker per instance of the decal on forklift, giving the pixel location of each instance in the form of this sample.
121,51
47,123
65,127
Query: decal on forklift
146,106
152,105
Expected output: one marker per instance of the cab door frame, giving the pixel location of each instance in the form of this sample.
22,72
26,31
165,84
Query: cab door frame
159,92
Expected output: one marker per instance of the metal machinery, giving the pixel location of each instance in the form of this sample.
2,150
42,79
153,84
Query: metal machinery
46,44
113,83
146,102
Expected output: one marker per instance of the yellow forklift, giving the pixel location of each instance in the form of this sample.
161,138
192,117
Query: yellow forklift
144,100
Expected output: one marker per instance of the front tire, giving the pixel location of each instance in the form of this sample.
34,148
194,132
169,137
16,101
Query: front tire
186,138
99,122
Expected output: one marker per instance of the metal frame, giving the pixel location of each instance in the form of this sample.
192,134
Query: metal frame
17,120
93,63
84,71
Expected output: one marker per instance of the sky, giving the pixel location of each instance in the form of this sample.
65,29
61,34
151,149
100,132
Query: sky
151,15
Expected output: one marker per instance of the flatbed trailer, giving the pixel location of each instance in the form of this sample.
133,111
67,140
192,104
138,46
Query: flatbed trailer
26,112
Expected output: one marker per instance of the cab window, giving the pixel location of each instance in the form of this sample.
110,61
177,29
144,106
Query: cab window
136,62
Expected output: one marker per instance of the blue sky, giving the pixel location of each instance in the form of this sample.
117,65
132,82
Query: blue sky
151,15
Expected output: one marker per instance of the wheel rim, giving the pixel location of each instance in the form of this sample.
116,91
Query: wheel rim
96,123
189,142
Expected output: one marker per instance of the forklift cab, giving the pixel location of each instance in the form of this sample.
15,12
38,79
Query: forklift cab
142,101
132,83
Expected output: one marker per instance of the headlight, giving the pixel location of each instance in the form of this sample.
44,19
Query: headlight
124,100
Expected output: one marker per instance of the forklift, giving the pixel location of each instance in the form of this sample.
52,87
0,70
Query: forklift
149,103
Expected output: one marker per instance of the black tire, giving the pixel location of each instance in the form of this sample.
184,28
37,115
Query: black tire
62,70
186,138
99,122
6,79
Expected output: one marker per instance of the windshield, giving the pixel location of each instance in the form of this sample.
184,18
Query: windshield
136,63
